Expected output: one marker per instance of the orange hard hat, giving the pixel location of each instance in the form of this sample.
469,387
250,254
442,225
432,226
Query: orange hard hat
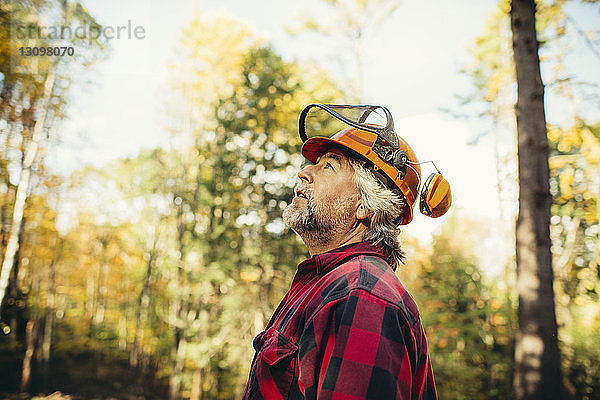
369,132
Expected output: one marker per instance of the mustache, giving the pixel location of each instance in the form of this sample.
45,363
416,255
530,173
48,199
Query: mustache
305,190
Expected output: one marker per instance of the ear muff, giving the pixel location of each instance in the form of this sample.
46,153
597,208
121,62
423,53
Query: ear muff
436,196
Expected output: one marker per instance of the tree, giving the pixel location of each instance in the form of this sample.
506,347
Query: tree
574,177
174,259
465,315
40,251
573,165
23,186
208,68
347,26
236,118
33,96
574,171
537,357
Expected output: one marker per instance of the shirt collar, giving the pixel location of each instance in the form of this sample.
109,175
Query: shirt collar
325,262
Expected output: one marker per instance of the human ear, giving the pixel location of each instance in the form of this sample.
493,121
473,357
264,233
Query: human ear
362,212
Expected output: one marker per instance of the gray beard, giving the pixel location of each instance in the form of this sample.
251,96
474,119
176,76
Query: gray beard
318,224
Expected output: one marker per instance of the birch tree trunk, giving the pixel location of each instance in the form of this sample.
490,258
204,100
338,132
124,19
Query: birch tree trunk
197,382
537,357
23,186
15,292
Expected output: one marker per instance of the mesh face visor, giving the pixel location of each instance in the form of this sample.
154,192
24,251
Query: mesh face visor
316,121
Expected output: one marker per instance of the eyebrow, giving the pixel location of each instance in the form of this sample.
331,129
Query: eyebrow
333,156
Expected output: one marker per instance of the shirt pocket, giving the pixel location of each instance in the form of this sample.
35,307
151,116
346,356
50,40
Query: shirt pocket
276,365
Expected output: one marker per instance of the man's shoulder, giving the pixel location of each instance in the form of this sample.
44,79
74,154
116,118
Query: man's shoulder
373,275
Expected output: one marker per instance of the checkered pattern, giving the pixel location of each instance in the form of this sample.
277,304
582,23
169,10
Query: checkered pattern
346,329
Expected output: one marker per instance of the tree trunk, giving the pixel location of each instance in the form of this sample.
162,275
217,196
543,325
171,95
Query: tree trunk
30,339
3,214
123,331
90,299
15,291
180,311
102,276
142,313
23,186
197,382
49,313
178,355
537,357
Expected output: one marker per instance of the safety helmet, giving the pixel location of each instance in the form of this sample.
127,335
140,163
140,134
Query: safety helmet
369,132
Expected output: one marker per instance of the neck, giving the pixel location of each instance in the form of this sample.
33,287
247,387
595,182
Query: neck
353,235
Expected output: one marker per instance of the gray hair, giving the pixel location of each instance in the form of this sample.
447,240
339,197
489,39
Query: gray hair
386,207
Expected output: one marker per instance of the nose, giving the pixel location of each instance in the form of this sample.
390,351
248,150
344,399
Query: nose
305,174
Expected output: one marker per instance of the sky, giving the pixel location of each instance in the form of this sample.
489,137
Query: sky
412,65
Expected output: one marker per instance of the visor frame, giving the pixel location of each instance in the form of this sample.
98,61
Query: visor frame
386,132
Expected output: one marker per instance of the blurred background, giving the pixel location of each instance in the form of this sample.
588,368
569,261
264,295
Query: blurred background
143,176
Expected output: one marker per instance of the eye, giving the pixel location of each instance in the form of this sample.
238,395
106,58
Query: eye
328,165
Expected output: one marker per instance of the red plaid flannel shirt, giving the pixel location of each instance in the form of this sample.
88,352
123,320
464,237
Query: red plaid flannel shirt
346,329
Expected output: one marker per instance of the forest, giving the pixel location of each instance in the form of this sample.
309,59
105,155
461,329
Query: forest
148,277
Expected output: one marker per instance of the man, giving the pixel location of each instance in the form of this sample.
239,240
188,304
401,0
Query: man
347,328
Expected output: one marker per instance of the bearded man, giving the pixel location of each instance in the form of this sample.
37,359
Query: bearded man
347,328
